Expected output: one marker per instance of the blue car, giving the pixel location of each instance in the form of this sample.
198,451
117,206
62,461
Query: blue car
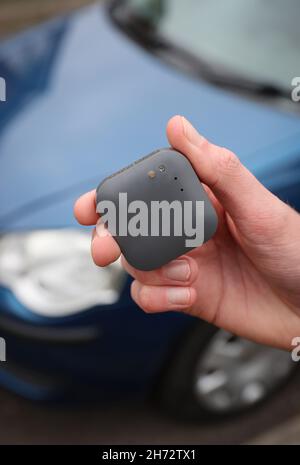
86,94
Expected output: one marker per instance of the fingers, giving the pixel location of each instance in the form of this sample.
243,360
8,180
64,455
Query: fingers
167,288
180,272
105,249
239,192
85,209
162,298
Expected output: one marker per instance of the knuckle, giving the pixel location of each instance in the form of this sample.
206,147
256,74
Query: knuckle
229,162
269,225
203,144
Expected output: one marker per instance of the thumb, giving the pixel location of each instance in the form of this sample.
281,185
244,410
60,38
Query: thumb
238,191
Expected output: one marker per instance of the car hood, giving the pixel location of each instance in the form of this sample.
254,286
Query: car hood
83,100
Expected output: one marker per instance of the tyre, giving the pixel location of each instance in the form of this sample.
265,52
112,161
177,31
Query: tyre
214,373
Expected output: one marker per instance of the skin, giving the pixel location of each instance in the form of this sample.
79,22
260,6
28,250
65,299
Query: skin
246,279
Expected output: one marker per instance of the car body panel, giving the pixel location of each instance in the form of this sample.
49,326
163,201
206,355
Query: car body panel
84,101
96,102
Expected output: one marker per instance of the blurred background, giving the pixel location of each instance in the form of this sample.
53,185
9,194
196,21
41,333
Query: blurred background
20,14
89,89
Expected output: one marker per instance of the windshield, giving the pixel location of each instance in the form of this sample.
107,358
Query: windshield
258,40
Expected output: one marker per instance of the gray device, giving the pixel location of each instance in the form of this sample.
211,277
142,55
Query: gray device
164,175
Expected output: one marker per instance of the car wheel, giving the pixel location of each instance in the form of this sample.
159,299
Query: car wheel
215,373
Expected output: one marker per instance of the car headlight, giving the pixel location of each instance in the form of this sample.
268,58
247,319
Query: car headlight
51,272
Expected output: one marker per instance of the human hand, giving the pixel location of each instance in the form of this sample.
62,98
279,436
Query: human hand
246,279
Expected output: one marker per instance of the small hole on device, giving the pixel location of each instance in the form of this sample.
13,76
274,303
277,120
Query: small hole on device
175,177
181,190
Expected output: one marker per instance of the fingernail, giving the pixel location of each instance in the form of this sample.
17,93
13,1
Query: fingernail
185,126
190,132
188,129
178,295
178,270
101,229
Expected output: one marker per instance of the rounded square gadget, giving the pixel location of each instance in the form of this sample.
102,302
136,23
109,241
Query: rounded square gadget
160,208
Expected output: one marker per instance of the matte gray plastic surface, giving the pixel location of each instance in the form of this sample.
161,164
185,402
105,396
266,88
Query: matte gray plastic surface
174,179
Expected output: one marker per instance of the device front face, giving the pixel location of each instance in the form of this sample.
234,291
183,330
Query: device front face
158,204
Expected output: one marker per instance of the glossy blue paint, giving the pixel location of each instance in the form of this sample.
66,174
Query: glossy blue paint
83,101
127,356
95,101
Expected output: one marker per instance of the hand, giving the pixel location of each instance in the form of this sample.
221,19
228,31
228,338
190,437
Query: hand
246,279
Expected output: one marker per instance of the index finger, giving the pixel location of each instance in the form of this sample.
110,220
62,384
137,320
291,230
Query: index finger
85,209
